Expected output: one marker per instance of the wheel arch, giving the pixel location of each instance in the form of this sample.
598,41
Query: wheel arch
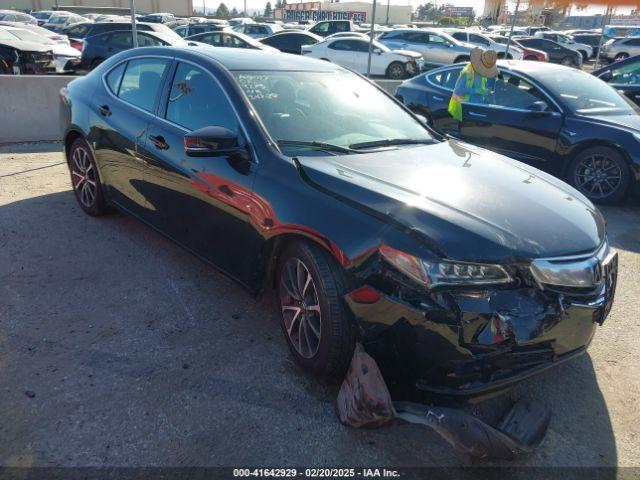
274,246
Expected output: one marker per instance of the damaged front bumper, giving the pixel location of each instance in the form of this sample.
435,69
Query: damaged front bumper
473,343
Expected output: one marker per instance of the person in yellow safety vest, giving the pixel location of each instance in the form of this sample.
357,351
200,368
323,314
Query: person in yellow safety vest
476,82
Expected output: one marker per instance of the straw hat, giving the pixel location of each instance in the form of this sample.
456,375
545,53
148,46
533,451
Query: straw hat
484,62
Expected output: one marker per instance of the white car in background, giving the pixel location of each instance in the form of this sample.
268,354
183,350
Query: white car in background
349,34
66,57
566,41
56,37
488,43
353,53
258,30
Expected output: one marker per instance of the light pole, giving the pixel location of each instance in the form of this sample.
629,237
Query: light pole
513,24
373,21
134,31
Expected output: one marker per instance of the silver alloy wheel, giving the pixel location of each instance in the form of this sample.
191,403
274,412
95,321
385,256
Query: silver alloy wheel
396,71
300,307
83,177
567,62
598,176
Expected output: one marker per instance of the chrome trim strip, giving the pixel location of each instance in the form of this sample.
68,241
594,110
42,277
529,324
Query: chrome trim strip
577,271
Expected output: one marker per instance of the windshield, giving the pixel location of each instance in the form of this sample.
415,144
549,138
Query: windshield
41,15
58,19
585,94
334,108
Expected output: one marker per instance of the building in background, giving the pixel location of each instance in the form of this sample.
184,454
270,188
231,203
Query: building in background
597,21
359,12
181,8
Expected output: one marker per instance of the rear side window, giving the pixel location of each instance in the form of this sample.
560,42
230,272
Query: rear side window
446,79
140,84
197,101
114,78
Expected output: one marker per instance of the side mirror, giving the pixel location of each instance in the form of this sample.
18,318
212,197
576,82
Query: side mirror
540,107
377,51
210,142
606,76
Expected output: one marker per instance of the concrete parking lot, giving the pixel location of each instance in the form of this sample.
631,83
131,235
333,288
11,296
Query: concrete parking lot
118,348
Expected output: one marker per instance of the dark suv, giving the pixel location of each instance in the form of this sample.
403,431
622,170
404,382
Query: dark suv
79,32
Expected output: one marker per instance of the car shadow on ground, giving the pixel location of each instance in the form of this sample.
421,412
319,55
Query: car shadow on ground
120,348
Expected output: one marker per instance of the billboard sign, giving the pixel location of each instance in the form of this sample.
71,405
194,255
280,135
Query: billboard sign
319,15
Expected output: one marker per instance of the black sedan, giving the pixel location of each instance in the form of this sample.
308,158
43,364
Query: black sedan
291,41
557,53
558,119
624,76
97,48
460,272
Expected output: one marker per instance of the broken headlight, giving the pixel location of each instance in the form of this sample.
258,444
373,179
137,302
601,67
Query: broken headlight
434,274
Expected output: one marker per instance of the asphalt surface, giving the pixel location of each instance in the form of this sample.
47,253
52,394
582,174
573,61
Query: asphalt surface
118,348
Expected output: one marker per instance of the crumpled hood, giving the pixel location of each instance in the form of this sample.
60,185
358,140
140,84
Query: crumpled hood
473,204
407,53
26,46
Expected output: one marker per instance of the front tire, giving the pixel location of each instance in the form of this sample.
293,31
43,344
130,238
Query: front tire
567,62
621,56
396,71
601,174
85,179
314,317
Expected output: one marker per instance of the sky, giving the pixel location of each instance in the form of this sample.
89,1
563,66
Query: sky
477,4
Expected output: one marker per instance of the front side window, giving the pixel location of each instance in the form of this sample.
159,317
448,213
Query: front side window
437,39
626,75
512,91
473,38
342,27
148,41
121,40
196,101
322,28
140,84
334,107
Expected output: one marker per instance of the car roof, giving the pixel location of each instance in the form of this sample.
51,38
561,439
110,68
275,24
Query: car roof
248,59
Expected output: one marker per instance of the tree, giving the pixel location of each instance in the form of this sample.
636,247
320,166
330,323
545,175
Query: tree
284,3
267,9
234,12
222,11
278,3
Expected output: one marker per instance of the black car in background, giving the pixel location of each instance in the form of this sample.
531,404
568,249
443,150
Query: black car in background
559,119
593,40
296,174
624,76
291,41
97,48
79,31
557,53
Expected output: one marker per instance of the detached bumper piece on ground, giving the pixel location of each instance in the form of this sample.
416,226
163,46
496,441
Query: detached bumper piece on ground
364,401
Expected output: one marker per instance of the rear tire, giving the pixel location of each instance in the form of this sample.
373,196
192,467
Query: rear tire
85,179
621,56
315,320
396,71
601,174
567,62
462,58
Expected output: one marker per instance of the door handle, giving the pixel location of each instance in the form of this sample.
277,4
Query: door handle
104,110
439,99
159,142
477,115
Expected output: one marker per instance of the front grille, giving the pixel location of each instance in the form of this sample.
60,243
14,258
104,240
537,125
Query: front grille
38,62
574,275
